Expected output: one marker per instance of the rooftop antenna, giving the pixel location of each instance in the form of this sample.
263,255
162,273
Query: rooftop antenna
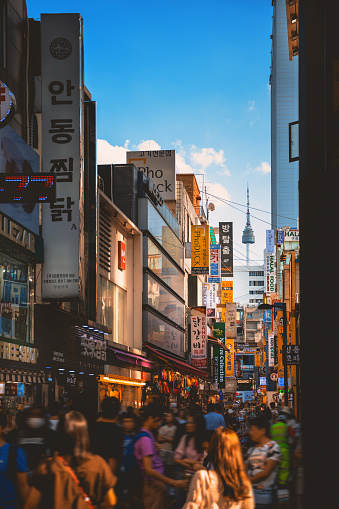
248,234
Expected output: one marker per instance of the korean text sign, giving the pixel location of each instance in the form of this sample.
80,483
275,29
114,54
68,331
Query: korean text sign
199,337
159,165
62,152
226,244
215,262
200,249
219,354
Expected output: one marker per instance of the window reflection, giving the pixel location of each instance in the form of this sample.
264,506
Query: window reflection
164,302
164,269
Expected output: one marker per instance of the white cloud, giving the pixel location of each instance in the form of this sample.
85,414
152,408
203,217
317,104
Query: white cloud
111,154
148,145
251,105
264,168
208,156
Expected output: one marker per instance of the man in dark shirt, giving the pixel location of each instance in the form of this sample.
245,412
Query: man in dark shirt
107,437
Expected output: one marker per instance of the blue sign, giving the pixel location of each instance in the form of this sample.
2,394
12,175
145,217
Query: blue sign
280,237
20,390
281,382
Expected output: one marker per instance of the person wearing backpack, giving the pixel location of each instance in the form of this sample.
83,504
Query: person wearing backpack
14,487
151,467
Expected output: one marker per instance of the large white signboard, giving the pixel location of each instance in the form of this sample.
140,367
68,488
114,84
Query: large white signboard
159,165
62,152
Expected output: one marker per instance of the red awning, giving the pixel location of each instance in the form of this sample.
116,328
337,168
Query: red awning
184,366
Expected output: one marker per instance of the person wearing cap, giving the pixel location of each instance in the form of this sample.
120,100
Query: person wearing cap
291,423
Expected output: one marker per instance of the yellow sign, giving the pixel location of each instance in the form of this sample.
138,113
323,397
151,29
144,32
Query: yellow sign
229,357
226,296
200,249
257,360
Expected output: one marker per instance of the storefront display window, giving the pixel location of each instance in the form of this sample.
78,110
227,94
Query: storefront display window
164,335
112,309
15,309
164,302
161,265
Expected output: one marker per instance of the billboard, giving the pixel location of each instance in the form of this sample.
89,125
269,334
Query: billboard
17,157
226,245
199,337
159,165
200,249
62,153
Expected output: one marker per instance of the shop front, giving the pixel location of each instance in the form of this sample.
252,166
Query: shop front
73,353
22,381
174,381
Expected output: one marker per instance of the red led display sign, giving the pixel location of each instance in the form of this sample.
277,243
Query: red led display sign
27,188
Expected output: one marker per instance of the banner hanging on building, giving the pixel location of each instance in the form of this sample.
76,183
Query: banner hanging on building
209,298
231,320
270,241
200,249
159,165
271,349
219,354
226,245
270,273
229,357
62,153
226,292
215,263
199,337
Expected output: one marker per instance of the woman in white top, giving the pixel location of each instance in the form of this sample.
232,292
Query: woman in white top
227,485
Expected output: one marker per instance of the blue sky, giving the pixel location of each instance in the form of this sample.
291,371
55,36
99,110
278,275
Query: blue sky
188,75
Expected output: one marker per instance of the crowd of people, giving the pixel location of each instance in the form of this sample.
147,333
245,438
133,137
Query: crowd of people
214,456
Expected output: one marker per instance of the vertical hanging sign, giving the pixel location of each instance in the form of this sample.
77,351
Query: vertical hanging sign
229,369
226,245
62,153
215,260
199,337
200,249
219,354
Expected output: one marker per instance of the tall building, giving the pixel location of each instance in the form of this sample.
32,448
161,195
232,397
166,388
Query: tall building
284,120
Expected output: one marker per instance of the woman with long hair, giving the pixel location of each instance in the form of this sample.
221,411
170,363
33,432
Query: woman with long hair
226,484
191,451
73,477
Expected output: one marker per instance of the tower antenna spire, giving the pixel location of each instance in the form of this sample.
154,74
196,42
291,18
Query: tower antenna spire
248,234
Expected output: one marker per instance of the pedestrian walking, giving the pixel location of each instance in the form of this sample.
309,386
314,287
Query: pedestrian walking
106,436
165,439
226,483
279,432
262,461
34,435
151,467
191,452
73,477
213,419
14,487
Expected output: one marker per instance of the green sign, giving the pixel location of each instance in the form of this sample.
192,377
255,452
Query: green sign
219,354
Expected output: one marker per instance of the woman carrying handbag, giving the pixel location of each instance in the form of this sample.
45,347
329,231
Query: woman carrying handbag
225,485
74,478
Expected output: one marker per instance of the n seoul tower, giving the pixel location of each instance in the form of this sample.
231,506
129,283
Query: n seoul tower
248,234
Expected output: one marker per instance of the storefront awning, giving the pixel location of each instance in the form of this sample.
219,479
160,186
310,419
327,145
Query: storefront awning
138,360
180,365
217,342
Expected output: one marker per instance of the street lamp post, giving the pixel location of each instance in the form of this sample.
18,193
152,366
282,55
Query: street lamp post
281,305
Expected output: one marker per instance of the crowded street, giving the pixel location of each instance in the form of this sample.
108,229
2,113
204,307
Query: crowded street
168,209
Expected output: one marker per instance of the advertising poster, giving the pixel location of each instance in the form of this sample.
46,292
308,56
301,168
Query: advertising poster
209,298
18,157
219,354
200,249
62,153
226,246
199,337
159,165
229,357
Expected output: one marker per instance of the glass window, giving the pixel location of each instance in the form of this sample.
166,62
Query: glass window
165,236
164,269
112,310
164,335
164,302
15,311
